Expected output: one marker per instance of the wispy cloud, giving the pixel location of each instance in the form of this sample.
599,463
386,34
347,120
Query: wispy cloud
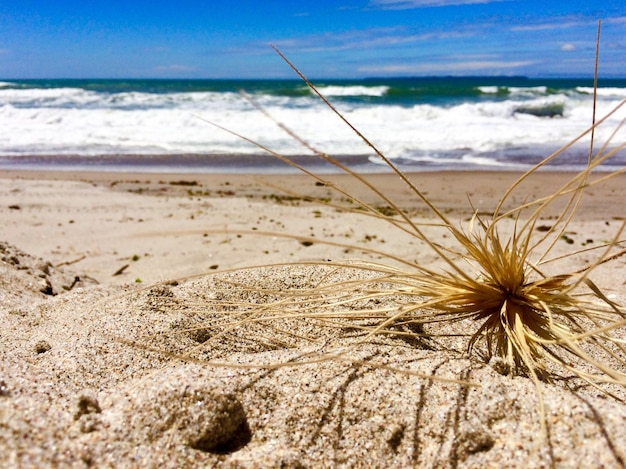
542,45
478,66
550,26
174,68
568,22
616,20
366,38
412,4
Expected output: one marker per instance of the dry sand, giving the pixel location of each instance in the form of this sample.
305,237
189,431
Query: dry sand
74,392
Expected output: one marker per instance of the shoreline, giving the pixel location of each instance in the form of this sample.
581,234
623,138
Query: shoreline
266,163
454,191
226,163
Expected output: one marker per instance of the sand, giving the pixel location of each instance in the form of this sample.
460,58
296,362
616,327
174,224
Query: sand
106,279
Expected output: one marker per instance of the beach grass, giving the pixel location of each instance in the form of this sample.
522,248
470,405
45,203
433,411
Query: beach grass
497,292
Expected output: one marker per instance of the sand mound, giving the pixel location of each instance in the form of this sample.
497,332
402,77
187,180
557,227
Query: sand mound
24,276
90,399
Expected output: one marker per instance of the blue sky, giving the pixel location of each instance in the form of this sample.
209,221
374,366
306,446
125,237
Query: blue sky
342,39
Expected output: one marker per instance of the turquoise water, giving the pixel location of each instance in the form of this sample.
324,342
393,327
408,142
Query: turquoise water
441,91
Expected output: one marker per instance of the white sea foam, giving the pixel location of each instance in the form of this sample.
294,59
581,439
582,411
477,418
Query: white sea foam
528,91
489,89
353,90
604,92
77,121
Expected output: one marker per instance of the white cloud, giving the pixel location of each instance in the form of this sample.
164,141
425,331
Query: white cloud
484,66
174,68
615,20
409,4
550,26
567,47
569,23
366,39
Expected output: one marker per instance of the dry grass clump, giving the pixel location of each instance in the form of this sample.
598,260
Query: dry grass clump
496,288
498,275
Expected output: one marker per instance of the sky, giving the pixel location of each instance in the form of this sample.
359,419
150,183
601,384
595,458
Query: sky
326,39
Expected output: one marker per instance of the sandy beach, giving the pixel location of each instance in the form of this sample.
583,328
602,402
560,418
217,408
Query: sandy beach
105,281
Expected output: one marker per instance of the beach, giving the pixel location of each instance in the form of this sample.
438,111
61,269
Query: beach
159,224
107,281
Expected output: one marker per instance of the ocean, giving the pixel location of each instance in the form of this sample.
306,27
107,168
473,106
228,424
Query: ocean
422,124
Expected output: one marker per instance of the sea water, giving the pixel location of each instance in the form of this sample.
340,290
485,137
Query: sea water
419,123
